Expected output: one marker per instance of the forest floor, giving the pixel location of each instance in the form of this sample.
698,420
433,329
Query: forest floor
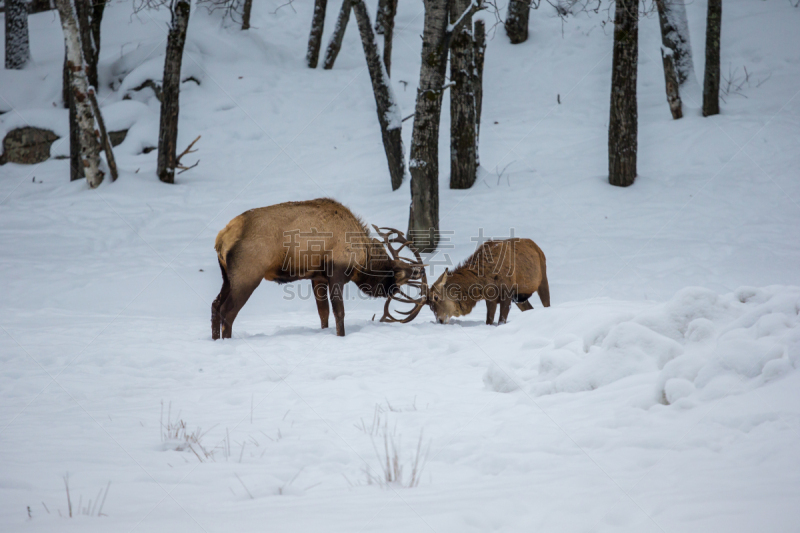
660,392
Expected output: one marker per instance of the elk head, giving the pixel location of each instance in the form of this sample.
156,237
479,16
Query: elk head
407,272
441,302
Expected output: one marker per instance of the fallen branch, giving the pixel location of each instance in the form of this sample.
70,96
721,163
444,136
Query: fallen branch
105,141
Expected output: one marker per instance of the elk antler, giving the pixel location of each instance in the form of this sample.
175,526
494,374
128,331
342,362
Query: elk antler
419,280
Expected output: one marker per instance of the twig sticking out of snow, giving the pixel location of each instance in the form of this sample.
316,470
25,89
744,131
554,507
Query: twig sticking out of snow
243,485
187,151
90,508
391,463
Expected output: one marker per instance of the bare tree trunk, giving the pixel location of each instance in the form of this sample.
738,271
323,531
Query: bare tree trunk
388,34
675,36
517,20
92,31
711,78
335,44
380,16
40,6
676,51
671,81
248,7
622,127
423,223
18,51
423,220
388,111
463,136
79,84
170,92
480,53
315,37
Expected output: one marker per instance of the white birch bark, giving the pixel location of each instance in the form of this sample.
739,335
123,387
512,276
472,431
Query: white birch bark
79,86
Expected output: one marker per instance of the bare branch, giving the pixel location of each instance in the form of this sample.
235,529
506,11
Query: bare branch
290,3
473,8
187,151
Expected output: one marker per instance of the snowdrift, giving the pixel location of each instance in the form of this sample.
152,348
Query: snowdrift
697,346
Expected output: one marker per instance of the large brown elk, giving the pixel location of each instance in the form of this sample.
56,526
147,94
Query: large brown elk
318,240
499,272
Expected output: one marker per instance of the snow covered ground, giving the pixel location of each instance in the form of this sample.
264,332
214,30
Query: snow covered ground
660,392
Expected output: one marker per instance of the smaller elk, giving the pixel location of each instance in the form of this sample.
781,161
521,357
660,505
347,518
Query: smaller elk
499,272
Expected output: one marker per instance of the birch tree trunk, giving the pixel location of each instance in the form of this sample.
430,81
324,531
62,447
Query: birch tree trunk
463,135
676,51
248,8
480,53
89,18
622,127
79,85
517,20
75,161
315,37
75,164
388,111
711,78
388,34
170,92
335,44
18,51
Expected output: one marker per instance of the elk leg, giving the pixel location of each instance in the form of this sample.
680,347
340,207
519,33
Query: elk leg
544,291
336,288
524,306
491,307
215,306
505,307
238,296
320,288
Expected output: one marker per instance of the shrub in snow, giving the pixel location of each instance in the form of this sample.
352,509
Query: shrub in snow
392,463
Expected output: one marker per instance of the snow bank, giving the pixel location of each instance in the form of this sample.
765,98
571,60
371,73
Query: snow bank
107,294
699,345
